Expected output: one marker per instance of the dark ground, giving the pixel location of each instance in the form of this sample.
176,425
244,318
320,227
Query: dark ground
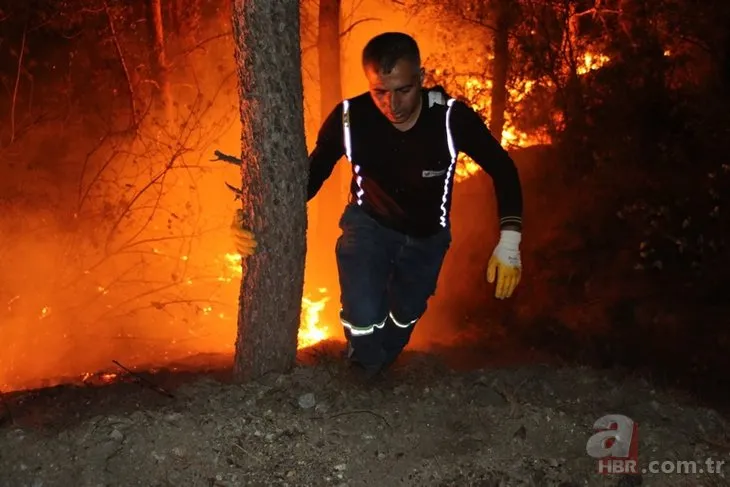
424,425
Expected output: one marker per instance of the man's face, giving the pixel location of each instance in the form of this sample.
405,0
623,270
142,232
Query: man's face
397,94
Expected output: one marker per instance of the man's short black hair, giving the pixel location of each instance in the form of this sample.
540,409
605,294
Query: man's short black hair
385,50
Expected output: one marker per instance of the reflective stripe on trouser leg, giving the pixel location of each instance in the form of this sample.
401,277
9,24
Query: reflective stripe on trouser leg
396,337
364,344
402,324
357,331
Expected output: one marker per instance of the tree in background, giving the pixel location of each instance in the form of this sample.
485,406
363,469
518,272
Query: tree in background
326,211
492,23
503,14
268,58
328,47
185,17
158,58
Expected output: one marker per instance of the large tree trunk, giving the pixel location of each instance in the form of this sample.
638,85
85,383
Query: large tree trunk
500,45
274,170
163,97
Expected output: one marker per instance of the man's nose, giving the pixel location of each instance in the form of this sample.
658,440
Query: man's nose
393,102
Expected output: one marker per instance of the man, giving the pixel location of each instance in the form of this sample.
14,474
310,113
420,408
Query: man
402,141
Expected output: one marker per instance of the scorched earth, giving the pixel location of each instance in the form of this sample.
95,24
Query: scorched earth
424,425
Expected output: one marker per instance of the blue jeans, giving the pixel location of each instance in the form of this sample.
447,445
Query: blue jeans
386,279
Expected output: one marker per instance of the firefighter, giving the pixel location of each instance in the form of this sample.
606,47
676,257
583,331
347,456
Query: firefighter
402,141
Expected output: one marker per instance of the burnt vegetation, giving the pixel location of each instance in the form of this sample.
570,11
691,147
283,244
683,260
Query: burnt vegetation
105,124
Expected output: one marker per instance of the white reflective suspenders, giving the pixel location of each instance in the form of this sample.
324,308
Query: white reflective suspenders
434,97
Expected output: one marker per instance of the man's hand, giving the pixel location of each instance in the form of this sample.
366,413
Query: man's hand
244,240
505,264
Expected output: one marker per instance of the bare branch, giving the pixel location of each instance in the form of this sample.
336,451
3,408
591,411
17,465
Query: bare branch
356,23
202,43
142,379
17,84
237,191
226,158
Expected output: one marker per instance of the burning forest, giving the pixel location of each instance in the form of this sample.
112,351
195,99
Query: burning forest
125,251
117,259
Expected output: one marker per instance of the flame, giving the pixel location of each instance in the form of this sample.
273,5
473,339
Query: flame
474,90
591,62
311,328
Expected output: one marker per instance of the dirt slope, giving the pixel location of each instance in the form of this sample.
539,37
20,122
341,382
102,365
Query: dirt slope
425,425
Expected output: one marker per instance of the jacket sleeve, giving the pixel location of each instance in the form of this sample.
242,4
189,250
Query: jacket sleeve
472,136
328,150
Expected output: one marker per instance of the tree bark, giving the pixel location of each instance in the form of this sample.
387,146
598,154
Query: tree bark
159,57
500,46
274,169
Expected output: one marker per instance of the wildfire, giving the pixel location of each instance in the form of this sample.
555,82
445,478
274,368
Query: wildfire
311,328
591,62
311,331
476,89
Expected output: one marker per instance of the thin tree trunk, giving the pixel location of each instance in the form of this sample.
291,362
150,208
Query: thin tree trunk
159,58
328,46
330,82
192,21
274,169
328,206
500,46
17,84
174,10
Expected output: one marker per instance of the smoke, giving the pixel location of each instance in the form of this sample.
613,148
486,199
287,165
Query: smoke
114,242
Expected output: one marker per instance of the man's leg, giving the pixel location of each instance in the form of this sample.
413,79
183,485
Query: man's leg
417,268
364,266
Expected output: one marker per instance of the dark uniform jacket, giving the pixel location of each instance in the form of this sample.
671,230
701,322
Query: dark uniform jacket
404,180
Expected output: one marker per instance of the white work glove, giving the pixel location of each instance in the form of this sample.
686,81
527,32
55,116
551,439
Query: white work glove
505,264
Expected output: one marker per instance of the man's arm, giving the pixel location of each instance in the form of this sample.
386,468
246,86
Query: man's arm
329,149
472,137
